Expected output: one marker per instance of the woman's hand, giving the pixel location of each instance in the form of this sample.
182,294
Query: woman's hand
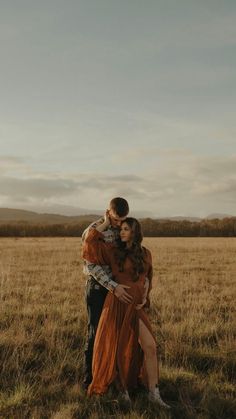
105,224
107,220
146,286
139,306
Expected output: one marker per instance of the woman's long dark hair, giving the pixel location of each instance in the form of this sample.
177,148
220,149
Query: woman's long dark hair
135,252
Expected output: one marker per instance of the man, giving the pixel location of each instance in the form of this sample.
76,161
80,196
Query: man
100,281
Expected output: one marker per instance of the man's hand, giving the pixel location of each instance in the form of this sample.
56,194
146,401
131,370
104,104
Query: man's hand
122,295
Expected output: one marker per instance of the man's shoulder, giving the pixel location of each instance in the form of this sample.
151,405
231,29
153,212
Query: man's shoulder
94,224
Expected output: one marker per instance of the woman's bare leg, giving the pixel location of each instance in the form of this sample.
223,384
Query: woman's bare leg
148,346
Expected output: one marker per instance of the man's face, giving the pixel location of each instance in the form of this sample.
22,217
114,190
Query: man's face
115,219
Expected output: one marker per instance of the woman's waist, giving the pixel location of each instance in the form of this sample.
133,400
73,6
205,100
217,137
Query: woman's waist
136,289
130,280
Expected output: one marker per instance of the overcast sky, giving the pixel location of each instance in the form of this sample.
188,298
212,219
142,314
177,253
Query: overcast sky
104,98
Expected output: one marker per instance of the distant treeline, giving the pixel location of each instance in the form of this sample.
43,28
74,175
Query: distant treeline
151,228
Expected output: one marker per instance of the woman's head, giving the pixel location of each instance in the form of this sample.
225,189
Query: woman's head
129,245
131,232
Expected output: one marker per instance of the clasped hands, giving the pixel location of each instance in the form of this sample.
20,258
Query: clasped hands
125,297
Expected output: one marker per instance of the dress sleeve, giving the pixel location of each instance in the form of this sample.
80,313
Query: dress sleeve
94,248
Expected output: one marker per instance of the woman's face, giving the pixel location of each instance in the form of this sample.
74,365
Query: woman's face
125,233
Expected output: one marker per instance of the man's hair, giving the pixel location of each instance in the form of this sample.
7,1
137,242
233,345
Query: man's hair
120,206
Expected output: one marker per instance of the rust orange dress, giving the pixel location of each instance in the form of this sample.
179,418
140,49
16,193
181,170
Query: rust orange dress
117,354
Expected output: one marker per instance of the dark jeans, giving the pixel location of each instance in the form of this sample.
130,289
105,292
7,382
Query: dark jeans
95,297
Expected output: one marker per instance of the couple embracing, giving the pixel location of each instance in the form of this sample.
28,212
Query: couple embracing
121,346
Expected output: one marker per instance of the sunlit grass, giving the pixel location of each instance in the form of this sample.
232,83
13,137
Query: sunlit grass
43,329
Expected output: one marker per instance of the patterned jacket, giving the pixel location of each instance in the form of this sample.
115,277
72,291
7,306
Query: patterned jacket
102,274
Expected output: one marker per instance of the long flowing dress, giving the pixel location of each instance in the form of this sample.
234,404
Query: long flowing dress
117,354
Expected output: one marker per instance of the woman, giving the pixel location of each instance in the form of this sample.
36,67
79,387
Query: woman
125,347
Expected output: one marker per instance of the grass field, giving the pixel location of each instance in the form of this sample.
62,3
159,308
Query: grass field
43,329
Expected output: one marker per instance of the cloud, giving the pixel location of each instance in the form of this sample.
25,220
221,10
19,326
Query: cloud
183,183
11,163
36,188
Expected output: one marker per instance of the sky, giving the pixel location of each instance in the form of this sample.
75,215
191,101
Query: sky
105,98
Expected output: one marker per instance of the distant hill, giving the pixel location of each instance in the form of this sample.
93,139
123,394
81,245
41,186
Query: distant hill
23,223
10,215
219,216
180,218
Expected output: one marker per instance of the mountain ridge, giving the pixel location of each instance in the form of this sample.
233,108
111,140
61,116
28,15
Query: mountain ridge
20,215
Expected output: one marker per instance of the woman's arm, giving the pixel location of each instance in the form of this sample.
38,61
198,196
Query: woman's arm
105,224
94,249
148,283
149,276
144,302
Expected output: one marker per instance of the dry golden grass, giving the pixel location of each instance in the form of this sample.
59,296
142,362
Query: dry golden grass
43,328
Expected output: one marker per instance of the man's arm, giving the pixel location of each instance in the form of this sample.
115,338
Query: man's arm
102,276
105,279
98,272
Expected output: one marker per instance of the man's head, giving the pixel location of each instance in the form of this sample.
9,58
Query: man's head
118,211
